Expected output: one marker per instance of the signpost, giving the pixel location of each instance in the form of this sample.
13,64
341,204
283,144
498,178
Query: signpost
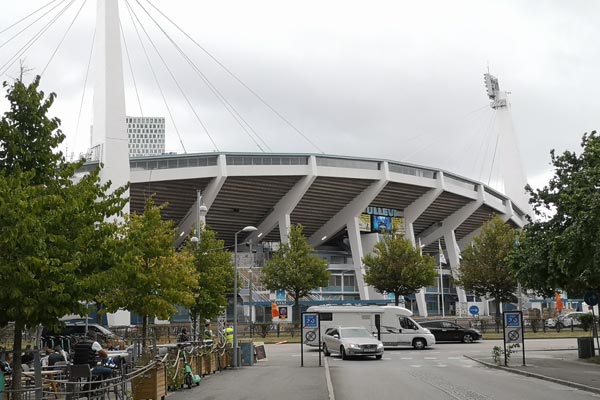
591,298
310,330
512,326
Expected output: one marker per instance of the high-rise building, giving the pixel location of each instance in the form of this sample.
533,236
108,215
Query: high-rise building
146,136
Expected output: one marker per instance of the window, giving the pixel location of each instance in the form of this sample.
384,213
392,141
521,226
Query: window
406,323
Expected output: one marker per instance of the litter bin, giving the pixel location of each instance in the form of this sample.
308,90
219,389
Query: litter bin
247,351
585,347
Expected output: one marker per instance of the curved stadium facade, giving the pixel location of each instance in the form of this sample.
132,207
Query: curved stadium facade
344,205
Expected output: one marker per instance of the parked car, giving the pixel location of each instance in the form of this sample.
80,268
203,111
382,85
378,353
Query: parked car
446,331
351,341
570,319
78,329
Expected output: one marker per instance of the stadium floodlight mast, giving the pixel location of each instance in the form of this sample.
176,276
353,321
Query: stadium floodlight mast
235,279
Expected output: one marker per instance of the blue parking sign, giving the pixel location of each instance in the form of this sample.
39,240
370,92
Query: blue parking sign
311,320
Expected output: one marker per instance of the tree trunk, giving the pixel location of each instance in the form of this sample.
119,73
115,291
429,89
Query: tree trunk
195,328
98,315
497,314
17,348
396,299
144,331
296,315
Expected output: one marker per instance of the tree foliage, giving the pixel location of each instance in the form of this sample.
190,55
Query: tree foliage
485,268
295,268
152,277
215,276
567,234
397,267
47,219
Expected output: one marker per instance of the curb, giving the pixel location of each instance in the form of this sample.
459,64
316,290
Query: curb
328,379
575,385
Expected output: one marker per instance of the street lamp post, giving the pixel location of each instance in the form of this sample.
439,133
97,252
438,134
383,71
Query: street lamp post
200,222
235,294
251,303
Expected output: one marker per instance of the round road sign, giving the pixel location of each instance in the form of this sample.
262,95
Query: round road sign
474,310
310,336
513,336
591,298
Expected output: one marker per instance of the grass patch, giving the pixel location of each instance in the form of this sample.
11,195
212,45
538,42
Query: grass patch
541,335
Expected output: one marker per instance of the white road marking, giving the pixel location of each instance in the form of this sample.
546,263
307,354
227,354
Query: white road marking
430,358
406,358
415,366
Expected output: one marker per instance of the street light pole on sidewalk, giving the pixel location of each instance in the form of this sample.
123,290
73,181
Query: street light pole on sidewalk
234,362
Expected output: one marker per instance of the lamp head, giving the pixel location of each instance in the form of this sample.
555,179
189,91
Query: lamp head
194,239
202,210
250,229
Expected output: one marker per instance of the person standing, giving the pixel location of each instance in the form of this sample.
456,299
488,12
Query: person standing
229,334
183,336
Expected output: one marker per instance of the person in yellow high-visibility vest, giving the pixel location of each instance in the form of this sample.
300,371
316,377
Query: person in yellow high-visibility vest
229,334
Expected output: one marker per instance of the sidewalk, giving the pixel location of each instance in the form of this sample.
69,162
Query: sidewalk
279,376
563,367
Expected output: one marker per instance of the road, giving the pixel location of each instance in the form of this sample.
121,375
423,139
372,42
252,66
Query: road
443,373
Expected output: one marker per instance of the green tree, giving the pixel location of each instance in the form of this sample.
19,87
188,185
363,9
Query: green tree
295,268
215,277
46,218
567,232
152,277
397,267
485,268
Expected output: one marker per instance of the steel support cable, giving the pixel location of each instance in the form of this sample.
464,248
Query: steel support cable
176,82
263,101
64,36
490,133
228,106
28,26
32,41
87,72
494,155
484,144
155,77
137,94
472,135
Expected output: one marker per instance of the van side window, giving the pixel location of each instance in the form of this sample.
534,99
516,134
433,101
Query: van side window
406,323
326,316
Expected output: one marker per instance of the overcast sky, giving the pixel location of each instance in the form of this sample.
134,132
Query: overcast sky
400,80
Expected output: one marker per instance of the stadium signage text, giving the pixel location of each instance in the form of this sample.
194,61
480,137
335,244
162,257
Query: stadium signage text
388,212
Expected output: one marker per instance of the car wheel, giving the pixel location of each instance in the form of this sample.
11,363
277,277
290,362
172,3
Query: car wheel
343,353
325,350
419,344
378,356
467,338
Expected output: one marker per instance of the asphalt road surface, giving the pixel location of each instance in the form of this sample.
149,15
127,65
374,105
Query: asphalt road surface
443,373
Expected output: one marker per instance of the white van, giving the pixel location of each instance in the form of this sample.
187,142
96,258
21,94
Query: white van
393,325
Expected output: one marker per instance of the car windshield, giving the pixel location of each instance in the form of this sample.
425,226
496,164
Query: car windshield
355,332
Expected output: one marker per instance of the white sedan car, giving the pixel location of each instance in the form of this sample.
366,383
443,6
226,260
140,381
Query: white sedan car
351,341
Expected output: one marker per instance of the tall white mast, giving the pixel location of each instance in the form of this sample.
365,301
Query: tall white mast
109,133
512,179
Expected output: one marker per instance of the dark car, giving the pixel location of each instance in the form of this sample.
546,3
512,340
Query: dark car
77,329
446,331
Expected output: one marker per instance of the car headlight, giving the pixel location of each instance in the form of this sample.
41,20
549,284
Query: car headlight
380,346
354,346
426,330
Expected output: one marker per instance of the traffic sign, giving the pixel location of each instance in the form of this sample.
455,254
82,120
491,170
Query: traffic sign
311,320
474,310
512,320
591,298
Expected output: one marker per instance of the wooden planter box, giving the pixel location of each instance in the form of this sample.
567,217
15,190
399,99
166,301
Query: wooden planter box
151,385
209,364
